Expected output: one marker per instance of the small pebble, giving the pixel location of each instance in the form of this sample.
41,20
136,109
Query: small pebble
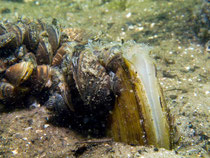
25,138
137,155
168,74
190,125
179,123
46,125
169,61
14,152
30,122
128,15
173,96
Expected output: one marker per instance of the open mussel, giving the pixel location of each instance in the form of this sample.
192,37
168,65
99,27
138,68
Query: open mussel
140,115
120,80
20,72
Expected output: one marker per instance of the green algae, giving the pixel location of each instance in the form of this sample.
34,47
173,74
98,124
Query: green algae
145,21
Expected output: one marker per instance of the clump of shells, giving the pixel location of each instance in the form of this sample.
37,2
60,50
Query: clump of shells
114,84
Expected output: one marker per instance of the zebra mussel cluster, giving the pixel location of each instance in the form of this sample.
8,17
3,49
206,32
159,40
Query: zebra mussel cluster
113,82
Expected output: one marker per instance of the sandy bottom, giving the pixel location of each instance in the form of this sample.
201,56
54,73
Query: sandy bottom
182,61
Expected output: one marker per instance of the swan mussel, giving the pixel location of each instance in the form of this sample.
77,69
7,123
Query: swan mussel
140,115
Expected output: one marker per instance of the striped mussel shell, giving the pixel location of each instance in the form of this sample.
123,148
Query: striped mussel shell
44,52
61,86
49,42
7,90
19,31
20,72
31,38
12,35
6,39
41,77
54,36
66,48
3,29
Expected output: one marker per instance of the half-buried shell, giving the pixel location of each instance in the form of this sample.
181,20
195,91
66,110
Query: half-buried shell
140,115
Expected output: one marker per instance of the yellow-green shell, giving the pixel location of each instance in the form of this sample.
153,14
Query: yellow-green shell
139,117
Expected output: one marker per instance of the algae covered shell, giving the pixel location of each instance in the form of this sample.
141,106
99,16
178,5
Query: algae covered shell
140,115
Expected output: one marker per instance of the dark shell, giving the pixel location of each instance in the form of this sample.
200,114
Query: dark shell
111,58
19,31
41,77
92,81
44,53
6,38
3,29
2,66
7,90
31,38
53,37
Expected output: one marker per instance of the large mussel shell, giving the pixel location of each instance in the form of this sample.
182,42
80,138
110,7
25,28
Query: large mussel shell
140,115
